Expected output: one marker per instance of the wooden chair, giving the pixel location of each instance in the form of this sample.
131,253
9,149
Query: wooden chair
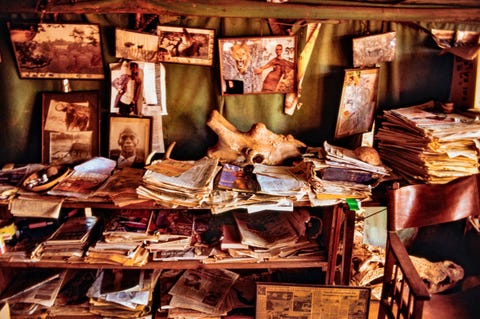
404,294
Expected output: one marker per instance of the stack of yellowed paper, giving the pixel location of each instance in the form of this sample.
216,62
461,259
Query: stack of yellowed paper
424,144
179,183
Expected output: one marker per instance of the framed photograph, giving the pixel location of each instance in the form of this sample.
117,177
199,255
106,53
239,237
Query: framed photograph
358,102
277,300
258,65
185,45
66,51
134,45
129,140
70,127
373,49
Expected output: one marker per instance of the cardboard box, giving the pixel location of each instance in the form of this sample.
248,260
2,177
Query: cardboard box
465,88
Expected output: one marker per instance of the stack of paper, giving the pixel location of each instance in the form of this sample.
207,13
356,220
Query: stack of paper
37,288
72,300
174,229
179,183
339,173
123,293
425,145
85,178
201,291
69,241
121,187
124,237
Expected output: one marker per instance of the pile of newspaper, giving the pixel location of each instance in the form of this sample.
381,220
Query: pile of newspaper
176,183
423,144
123,293
200,293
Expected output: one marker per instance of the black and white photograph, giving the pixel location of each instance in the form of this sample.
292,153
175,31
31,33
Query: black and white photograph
185,45
70,127
129,140
133,45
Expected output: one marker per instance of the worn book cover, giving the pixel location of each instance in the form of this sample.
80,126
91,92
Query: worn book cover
348,175
231,238
74,230
131,221
85,178
174,223
238,178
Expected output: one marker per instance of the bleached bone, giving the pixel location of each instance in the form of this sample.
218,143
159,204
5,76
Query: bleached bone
258,145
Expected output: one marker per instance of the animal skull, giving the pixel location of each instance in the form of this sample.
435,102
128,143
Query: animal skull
258,145
438,276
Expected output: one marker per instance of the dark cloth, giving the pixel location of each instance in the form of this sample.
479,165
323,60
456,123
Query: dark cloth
139,161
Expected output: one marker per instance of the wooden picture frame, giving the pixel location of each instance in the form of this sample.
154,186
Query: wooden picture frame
52,50
358,102
185,45
258,65
70,127
279,300
138,131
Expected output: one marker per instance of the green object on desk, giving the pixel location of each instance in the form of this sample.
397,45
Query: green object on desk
353,204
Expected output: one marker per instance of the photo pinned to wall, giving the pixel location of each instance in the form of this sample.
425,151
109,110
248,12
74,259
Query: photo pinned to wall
358,102
373,49
185,45
129,140
258,65
51,50
70,127
134,45
279,300
136,86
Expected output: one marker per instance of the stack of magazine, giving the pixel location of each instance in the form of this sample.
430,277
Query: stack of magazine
174,230
424,144
69,241
123,238
335,173
176,183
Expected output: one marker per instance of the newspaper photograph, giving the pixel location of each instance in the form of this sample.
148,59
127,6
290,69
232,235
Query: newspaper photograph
276,301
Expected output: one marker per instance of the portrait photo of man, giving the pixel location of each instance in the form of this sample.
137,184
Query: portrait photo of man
129,141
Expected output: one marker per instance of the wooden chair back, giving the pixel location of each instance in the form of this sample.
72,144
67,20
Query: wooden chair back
430,204
404,294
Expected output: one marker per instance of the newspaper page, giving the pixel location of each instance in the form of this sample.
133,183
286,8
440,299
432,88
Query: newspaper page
44,294
311,302
205,288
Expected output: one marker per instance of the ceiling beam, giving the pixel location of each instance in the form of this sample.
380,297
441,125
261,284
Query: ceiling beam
309,10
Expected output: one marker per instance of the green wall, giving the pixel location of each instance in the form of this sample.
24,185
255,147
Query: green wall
418,74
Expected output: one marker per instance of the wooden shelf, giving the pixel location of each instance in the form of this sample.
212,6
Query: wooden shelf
181,264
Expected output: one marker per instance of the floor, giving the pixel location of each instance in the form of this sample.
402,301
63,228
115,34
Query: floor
373,313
